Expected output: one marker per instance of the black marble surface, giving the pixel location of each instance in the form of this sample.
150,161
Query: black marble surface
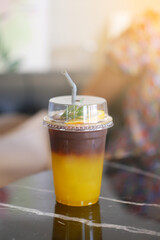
128,208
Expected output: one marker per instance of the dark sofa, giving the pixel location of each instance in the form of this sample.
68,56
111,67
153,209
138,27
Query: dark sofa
28,93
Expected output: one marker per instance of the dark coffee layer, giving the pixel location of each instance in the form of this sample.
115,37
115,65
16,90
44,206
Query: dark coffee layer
79,143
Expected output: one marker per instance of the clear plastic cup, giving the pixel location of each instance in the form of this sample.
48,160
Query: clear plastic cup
77,136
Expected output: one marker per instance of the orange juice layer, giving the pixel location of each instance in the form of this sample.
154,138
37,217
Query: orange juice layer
77,178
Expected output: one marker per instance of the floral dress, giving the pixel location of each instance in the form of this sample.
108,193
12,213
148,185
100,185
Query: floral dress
137,52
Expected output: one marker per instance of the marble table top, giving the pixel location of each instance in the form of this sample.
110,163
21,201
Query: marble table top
128,208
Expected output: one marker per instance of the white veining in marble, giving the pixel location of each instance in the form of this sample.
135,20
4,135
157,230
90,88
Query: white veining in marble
133,169
82,220
32,188
101,197
130,203
61,223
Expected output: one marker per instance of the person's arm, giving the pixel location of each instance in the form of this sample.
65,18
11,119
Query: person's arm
24,151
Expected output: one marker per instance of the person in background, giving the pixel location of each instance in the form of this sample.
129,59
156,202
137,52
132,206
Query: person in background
132,76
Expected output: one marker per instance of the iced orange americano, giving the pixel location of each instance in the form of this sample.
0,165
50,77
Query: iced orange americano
77,136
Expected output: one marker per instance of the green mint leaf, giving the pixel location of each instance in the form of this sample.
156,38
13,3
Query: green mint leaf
73,112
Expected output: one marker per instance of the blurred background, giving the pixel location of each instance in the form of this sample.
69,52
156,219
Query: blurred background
40,38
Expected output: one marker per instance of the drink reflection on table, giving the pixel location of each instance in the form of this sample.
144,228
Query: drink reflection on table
68,230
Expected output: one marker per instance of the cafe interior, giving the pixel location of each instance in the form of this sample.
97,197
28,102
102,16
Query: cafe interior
110,49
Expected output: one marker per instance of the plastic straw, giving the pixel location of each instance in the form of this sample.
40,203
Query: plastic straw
73,85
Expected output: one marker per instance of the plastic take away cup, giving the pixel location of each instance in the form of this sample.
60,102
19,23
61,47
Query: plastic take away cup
77,137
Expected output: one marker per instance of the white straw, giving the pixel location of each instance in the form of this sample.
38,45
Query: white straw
73,85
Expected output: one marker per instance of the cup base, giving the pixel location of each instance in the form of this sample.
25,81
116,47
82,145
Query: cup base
77,204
